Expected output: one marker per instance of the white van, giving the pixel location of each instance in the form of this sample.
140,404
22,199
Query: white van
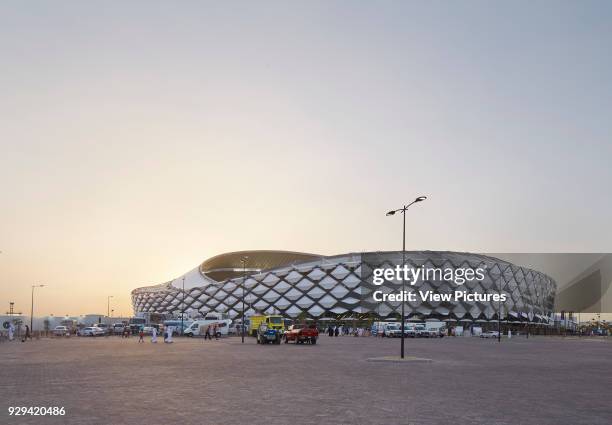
392,330
199,327
435,328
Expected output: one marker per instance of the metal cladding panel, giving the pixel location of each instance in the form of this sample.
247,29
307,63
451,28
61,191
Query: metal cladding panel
343,285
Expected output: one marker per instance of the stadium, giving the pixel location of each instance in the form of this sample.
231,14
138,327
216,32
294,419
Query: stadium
304,285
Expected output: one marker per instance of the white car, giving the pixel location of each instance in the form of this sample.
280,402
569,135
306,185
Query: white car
105,328
118,328
489,334
392,330
61,331
91,331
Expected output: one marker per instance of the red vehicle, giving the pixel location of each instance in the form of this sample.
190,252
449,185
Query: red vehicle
302,334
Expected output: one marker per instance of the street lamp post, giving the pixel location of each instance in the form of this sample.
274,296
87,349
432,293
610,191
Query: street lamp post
108,305
499,308
403,211
32,310
244,263
183,306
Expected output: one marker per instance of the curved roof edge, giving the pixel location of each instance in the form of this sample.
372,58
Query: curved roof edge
229,265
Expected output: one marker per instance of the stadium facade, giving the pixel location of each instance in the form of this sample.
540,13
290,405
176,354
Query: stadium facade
308,285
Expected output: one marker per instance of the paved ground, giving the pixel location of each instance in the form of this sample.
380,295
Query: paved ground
471,381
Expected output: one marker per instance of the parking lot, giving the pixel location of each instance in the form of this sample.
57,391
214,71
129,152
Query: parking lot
109,380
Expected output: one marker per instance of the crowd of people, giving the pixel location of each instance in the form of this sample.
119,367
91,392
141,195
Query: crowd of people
342,330
168,333
11,333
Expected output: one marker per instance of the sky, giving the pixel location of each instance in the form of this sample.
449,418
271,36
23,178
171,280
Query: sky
138,139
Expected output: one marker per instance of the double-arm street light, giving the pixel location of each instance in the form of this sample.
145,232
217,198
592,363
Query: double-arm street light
244,274
32,309
403,211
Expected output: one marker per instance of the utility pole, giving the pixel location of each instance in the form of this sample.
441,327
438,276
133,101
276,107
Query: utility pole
11,311
244,274
108,305
183,306
32,310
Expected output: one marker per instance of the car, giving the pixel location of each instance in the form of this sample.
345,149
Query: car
422,333
302,334
105,328
61,331
233,330
432,333
147,330
489,334
118,328
267,335
91,331
135,328
391,330
410,331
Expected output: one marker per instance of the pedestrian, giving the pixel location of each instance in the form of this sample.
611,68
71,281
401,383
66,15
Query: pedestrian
154,335
207,333
168,339
330,330
216,332
336,331
141,335
27,334
11,331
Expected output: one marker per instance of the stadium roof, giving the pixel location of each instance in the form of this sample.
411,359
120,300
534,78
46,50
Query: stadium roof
229,265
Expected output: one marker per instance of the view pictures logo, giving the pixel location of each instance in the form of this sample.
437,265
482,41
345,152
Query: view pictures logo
413,275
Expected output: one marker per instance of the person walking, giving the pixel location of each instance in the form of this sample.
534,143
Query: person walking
154,335
27,334
336,331
141,335
11,331
216,331
168,339
207,333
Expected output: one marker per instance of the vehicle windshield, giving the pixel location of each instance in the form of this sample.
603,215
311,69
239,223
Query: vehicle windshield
276,320
392,327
